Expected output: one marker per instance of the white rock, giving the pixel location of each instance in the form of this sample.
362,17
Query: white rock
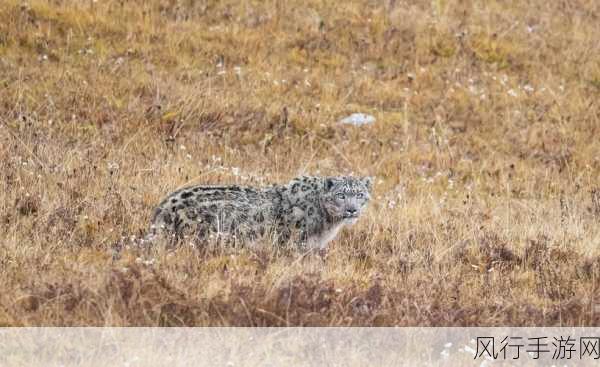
358,119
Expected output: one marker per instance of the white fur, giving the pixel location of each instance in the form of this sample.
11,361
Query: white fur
322,240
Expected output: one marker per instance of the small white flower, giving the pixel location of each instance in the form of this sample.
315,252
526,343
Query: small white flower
528,88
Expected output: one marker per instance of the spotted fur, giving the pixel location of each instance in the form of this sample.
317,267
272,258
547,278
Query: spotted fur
309,210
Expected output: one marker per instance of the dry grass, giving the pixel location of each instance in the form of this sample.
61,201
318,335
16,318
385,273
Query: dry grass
485,149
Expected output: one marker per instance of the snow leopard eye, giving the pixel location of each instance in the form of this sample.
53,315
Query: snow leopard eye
340,196
360,195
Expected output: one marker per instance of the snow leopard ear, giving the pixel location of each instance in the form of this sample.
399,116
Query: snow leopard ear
329,183
368,182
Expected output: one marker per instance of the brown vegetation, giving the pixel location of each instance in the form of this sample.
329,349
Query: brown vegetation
486,208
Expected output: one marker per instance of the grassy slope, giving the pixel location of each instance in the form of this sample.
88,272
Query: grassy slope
486,154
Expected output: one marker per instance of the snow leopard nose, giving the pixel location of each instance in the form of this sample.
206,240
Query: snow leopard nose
351,212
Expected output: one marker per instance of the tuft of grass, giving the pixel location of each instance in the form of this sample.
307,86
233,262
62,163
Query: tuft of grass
494,51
